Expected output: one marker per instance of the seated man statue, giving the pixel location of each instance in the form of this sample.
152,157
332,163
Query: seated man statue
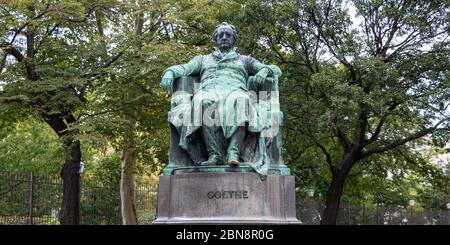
224,109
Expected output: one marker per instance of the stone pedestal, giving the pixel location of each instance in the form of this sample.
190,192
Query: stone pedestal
226,198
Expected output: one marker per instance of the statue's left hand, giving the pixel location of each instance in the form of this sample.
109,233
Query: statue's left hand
261,76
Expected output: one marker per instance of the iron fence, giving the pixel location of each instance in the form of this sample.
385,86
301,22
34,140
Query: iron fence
36,199
310,213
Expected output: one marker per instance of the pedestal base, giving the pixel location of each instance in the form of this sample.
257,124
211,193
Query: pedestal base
226,198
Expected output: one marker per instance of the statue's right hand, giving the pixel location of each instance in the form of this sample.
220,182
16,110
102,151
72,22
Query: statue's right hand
167,80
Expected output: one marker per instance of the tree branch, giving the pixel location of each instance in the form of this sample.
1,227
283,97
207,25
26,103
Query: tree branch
328,157
324,39
391,36
281,57
3,62
343,139
56,124
113,59
86,115
9,49
377,132
399,142
360,131
30,65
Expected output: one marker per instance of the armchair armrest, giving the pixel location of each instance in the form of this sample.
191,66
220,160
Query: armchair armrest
185,84
183,90
270,85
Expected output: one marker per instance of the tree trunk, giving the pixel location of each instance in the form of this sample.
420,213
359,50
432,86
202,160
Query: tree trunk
333,199
128,204
70,210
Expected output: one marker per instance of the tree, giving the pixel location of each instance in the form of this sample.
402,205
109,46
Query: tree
357,89
50,56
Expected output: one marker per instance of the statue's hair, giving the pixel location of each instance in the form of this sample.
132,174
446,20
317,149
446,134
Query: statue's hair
225,24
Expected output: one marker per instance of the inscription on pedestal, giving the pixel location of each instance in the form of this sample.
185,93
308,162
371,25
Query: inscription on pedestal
227,195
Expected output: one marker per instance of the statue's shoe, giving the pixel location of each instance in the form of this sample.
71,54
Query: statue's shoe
212,160
233,163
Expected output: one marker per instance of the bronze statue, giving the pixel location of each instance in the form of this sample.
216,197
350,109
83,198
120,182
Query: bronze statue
224,109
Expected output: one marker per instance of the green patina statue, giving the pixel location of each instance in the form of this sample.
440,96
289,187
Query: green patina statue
224,109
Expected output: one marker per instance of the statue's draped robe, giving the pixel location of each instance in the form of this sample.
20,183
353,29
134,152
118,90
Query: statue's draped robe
224,90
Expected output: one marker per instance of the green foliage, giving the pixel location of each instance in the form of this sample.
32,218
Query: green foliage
91,60
350,90
29,146
106,170
384,77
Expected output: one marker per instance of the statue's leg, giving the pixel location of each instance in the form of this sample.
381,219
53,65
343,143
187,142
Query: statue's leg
234,147
213,146
209,133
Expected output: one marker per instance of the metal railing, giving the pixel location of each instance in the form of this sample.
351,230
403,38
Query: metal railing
310,213
36,199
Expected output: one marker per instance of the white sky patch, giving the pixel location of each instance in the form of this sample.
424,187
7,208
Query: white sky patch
357,21
389,175
442,160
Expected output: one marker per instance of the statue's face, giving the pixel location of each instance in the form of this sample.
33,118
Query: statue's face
225,38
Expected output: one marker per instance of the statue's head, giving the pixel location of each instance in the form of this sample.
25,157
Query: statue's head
225,36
